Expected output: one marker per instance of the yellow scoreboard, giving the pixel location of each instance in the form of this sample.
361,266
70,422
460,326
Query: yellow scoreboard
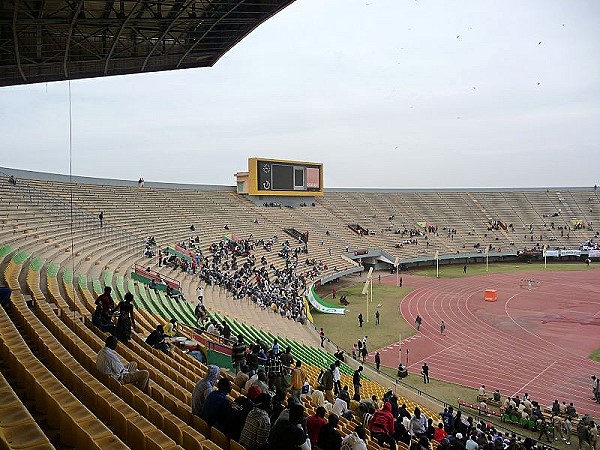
284,178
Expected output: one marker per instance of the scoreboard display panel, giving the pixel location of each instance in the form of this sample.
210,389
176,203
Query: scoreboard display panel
278,177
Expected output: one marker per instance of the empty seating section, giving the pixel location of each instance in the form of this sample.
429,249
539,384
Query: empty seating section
93,411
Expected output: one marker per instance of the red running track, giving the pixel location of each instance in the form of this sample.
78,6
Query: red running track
531,340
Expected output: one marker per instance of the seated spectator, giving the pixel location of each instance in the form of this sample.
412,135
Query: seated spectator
216,406
108,363
314,424
570,410
156,339
238,413
103,321
242,377
497,396
382,426
440,433
340,408
356,440
203,388
288,433
555,408
5,296
257,427
171,330
329,437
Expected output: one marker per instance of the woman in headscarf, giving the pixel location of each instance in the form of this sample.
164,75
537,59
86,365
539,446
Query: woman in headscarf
204,387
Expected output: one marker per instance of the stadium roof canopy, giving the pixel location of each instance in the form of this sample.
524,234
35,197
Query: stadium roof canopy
52,40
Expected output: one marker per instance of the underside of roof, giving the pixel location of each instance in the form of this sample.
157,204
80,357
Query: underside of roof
51,40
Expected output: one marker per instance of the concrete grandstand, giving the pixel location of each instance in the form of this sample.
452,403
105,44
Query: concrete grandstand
57,263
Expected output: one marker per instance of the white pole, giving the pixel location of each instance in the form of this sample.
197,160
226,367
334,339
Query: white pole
487,261
397,276
367,306
399,350
437,267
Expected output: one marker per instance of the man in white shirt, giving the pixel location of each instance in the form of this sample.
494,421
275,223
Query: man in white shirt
108,363
337,378
200,293
340,408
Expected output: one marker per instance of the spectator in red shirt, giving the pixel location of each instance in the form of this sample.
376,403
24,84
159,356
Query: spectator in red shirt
440,433
382,426
314,424
106,301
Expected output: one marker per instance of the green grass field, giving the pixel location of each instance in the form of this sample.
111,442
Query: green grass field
595,355
456,270
344,330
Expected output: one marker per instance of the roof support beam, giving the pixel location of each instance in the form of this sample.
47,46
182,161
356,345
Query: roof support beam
206,32
68,43
183,9
14,30
118,36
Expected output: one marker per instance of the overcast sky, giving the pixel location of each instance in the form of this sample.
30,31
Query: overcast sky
386,93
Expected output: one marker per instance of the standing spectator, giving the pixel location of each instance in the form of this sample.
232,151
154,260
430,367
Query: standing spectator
203,388
377,317
465,268
356,383
275,372
322,336
425,372
333,291
287,360
108,363
596,388
382,426
200,293
360,320
448,419
327,382
377,361
337,378
238,354
258,424
364,353
126,320
329,437
216,406
314,425
582,433
101,218
297,380
568,429
442,328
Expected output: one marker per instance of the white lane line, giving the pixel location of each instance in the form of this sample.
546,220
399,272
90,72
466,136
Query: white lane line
432,355
534,378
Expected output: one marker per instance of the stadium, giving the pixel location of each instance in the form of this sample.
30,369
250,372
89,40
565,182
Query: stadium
276,283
